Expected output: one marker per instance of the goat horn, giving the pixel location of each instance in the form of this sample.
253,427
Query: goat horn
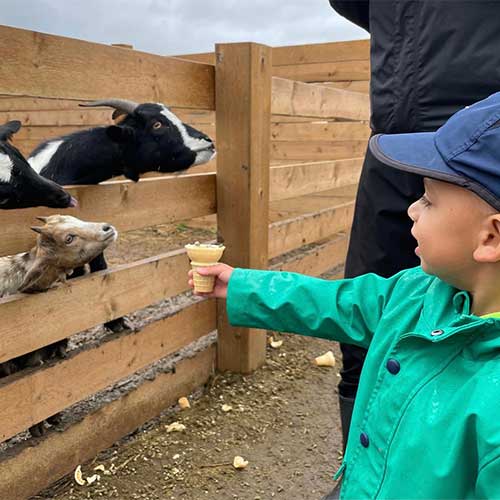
40,218
122,106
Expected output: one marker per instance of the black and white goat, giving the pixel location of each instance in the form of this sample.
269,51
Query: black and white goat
20,185
63,243
148,138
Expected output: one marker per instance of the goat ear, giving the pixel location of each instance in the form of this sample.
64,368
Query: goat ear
119,115
9,129
41,219
37,229
120,134
33,276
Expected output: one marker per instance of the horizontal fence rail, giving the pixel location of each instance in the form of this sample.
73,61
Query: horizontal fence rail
54,66
125,204
320,131
294,98
293,233
305,54
88,301
290,181
318,260
36,396
317,150
33,468
324,72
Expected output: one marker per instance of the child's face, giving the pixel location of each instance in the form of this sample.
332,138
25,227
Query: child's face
446,224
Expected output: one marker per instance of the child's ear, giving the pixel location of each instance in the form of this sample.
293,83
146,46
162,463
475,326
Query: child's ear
488,247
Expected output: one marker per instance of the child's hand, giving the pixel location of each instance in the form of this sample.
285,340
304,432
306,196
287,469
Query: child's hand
222,273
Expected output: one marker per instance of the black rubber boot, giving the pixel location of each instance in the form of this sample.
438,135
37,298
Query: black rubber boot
346,405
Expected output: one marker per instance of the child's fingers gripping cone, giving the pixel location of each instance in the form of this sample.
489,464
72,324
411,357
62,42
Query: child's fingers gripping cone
204,256
221,274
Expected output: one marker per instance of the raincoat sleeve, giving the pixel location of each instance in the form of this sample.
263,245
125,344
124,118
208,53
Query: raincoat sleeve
344,310
488,483
356,11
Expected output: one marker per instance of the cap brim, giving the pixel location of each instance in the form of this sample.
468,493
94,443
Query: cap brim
415,153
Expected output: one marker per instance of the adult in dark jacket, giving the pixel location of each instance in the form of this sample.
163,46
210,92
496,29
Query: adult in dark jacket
429,58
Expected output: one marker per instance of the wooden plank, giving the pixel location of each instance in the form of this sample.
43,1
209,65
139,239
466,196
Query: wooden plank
290,234
125,204
206,168
33,468
17,103
320,131
85,118
302,99
42,393
325,72
321,52
37,104
60,117
290,181
243,87
356,86
275,163
317,150
39,65
195,117
203,57
317,260
338,273
299,119
290,208
309,53
88,301
26,147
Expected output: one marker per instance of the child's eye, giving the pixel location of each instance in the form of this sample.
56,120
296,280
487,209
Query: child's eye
425,202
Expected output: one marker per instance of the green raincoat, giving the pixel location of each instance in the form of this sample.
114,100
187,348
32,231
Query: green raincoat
426,423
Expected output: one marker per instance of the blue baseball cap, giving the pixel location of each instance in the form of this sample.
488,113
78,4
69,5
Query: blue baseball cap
464,151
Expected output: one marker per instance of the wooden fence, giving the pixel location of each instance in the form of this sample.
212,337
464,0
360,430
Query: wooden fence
289,157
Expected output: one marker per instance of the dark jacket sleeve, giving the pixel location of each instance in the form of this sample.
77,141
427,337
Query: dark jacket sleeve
356,11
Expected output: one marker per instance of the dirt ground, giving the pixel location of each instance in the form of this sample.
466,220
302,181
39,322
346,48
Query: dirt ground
283,419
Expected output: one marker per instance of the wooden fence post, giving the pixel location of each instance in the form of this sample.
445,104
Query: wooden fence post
243,118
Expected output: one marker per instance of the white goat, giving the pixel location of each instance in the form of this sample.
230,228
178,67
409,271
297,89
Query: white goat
63,243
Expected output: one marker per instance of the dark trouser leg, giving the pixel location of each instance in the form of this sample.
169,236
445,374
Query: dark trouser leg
118,324
380,242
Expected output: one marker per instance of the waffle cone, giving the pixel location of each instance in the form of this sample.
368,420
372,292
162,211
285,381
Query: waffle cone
203,256
202,283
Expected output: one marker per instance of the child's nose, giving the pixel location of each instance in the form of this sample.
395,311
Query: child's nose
413,211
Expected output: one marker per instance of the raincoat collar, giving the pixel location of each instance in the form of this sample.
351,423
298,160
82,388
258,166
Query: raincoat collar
481,336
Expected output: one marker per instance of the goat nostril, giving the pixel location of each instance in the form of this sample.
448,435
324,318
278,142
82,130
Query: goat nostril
106,228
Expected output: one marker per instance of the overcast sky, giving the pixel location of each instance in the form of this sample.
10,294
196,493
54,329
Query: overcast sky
182,26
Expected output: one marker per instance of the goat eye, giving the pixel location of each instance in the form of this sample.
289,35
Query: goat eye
157,125
69,239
